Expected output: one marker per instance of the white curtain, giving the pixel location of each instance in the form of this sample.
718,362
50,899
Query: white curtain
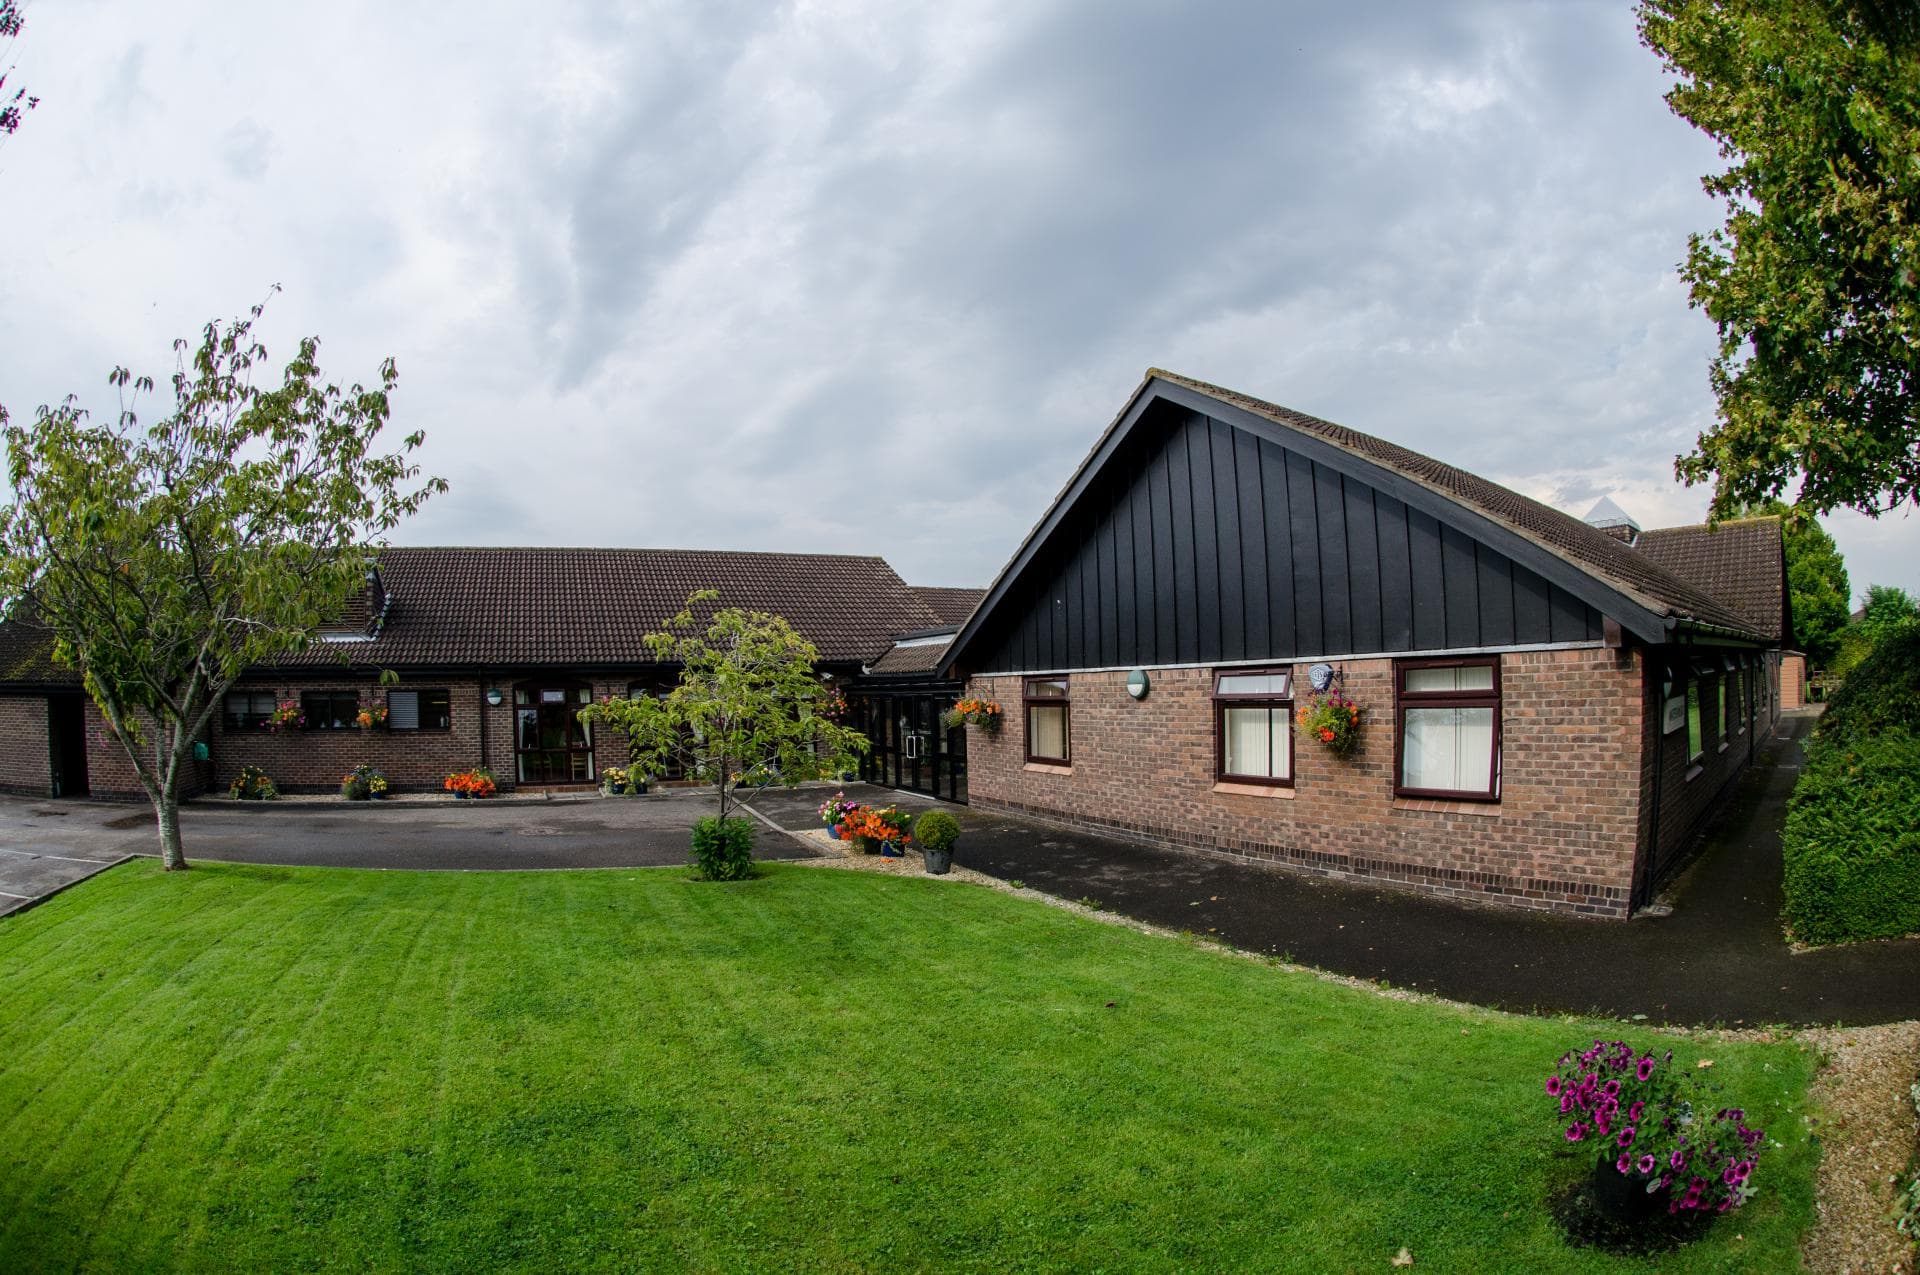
1256,742
1449,749
1047,731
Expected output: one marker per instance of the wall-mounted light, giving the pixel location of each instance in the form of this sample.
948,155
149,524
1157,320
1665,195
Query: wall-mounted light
494,697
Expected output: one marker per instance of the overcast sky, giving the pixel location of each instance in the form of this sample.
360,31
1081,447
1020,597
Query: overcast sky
871,278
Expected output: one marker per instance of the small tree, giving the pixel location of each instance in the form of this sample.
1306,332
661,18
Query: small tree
167,561
748,712
12,109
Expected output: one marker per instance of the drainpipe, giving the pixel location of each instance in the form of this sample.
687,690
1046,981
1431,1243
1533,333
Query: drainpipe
481,693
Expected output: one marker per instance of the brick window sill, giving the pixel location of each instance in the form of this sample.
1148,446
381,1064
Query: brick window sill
1428,805
1044,768
1256,790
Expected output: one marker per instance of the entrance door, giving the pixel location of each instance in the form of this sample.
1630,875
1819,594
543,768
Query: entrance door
911,749
67,740
551,744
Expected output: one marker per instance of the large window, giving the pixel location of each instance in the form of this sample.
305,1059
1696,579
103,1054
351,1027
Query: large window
419,710
1048,720
1253,736
1696,741
1449,737
330,710
248,710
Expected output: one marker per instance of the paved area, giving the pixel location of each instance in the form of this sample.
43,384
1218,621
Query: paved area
45,845
1718,958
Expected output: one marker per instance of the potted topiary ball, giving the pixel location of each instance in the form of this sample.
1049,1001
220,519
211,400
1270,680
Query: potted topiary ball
937,831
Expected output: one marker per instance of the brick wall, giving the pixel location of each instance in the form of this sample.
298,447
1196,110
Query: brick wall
1563,836
26,767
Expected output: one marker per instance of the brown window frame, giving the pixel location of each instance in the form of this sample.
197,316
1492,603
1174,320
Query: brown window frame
1403,700
1223,702
313,719
1063,701
420,694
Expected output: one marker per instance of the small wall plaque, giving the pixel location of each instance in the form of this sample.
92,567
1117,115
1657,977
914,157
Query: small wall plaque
1674,715
1138,684
1320,676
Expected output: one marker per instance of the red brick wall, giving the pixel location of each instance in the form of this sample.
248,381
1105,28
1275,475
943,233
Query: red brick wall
1563,836
26,767
110,772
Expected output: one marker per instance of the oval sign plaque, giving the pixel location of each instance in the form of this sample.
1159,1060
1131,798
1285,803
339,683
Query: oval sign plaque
1320,676
1137,683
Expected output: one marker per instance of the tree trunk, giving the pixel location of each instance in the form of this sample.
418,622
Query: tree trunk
167,809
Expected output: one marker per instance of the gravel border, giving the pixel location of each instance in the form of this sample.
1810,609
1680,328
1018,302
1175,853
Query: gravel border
1865,1119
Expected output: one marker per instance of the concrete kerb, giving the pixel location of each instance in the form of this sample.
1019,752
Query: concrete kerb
14,905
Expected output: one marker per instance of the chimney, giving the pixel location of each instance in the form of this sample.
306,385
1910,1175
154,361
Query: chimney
1612,520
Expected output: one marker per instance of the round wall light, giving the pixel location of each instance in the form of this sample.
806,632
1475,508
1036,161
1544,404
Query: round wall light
494,696
1138,684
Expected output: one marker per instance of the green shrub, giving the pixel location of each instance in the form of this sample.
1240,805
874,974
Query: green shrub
1882,693
723,848
252,784
936,829
1852,842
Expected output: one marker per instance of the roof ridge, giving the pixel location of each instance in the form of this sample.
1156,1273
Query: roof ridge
627,549
1716,524
1591,550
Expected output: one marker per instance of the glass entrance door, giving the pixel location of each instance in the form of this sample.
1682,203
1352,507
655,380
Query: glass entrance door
911,749
551,744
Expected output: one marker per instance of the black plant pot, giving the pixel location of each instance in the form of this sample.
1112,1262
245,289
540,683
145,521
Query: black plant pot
939,862
1623,1197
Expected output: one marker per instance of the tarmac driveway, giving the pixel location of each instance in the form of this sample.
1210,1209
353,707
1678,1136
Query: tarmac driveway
48,845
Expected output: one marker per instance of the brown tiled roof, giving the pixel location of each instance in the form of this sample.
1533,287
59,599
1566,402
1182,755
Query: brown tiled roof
471,606
26,655
910,659
1585,547
1739,562
953,606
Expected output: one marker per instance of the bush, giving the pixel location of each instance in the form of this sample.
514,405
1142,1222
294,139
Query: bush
363,783
723,848
936,829
1882,693
472,785
252,784
1852,842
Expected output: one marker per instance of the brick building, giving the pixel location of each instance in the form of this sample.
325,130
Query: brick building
1550,709
489,654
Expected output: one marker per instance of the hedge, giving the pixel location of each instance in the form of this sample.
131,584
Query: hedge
1883,692
1852,840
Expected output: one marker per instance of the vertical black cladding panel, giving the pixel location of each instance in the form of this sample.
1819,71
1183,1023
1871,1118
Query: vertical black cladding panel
1307,633
1253,545
1059,655
1496,597
1140,533
1396,575
1567,616
1363,568
1226,504
1330,517
1462,583
1281,622
1429,597
1166,633
1106,626
1530,607
1206,541
1186,600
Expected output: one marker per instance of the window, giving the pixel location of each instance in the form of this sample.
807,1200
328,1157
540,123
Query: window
1048,713
1449,736
1696,746
248,710
1728,686
330,710
419,710
1253,735
1739,688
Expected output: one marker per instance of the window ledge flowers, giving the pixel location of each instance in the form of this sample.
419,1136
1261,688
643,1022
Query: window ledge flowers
1332,720
286,716
371,717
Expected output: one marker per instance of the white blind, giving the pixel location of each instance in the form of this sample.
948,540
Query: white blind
403,710
1047,731
1448,749
1256,743
1470,677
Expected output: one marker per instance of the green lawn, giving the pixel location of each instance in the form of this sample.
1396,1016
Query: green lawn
253,1068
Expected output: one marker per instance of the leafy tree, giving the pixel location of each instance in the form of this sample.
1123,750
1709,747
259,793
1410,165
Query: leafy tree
1887,610
1814,281
1817,588
749,711
166,561
11,111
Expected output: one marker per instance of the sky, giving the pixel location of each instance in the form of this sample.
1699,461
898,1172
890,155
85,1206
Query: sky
872,278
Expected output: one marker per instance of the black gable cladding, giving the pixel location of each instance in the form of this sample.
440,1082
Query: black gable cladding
1197,542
